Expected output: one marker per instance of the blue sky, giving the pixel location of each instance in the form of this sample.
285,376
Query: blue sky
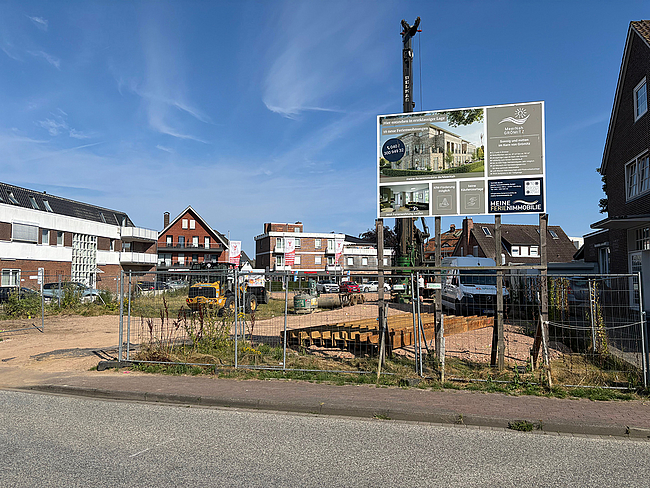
264,111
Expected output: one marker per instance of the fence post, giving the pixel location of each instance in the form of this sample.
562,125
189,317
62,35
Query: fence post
121,333
442,348
236,288
128,324
286,307
644,336
416,335
592,311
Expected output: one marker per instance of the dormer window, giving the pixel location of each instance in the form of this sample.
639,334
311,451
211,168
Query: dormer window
47,206
640,100
12,198
32,200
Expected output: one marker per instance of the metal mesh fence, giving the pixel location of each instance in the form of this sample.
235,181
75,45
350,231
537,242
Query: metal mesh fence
24,307
449,323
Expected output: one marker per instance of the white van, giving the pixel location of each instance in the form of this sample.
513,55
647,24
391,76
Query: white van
470,291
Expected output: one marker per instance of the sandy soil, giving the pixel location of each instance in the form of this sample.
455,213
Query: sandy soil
76,343
66,344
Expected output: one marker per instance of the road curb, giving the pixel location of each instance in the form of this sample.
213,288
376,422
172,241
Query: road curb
322,408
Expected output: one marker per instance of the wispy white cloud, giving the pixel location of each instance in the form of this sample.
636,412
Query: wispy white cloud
39,22
57,125
163,88
304,74
54,61
164,148
9,50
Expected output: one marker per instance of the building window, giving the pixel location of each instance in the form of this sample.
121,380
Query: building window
206,242
350,261
279,260
181,241
12,198
385,261
32,200
330,245
192,224
112,245
10,277
515,251
47,206
486,231
553,234
643,239
296,259
184,224
45,237
169,240
534,251
317,259
317,243
603,260
181,258
195,258
637,176
640,99
195,241
24,232
59,238
330,260
279,243
297,241
364,261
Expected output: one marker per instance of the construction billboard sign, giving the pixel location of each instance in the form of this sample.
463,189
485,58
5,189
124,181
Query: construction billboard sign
472,161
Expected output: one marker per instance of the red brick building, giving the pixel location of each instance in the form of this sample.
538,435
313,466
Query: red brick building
189,239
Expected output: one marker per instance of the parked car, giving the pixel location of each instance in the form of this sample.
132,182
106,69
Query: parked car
54,291
349,287
150,287
327,287
177,284
374,286
23,292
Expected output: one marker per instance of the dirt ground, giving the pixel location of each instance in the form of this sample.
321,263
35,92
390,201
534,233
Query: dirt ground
77,343
66,344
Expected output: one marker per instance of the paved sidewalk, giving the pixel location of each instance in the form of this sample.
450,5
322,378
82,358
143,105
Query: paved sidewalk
576,416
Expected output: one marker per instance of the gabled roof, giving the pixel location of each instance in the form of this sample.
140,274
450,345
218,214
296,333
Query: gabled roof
640,28
560,250
36,200
218,236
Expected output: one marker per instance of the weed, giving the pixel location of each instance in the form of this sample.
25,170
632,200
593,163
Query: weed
381,416
521,425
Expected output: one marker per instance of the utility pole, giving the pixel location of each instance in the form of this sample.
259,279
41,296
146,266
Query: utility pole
405,226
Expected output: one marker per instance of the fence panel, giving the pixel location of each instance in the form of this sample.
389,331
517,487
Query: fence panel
282,321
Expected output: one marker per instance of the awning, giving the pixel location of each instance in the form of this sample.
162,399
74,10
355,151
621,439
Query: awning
624,222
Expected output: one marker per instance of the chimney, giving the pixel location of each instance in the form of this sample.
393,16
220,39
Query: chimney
165,220
452,228
468,225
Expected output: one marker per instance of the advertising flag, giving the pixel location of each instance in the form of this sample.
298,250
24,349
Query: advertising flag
289,251
339,250
235,252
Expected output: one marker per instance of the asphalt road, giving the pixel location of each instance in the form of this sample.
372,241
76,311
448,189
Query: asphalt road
48,440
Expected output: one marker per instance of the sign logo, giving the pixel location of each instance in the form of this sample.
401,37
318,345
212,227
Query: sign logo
520,117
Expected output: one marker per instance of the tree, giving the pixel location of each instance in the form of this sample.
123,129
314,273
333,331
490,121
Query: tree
603,202
464,117
449,157
390,237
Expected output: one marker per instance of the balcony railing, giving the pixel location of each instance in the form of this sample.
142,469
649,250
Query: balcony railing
138,257
188,245
138,233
